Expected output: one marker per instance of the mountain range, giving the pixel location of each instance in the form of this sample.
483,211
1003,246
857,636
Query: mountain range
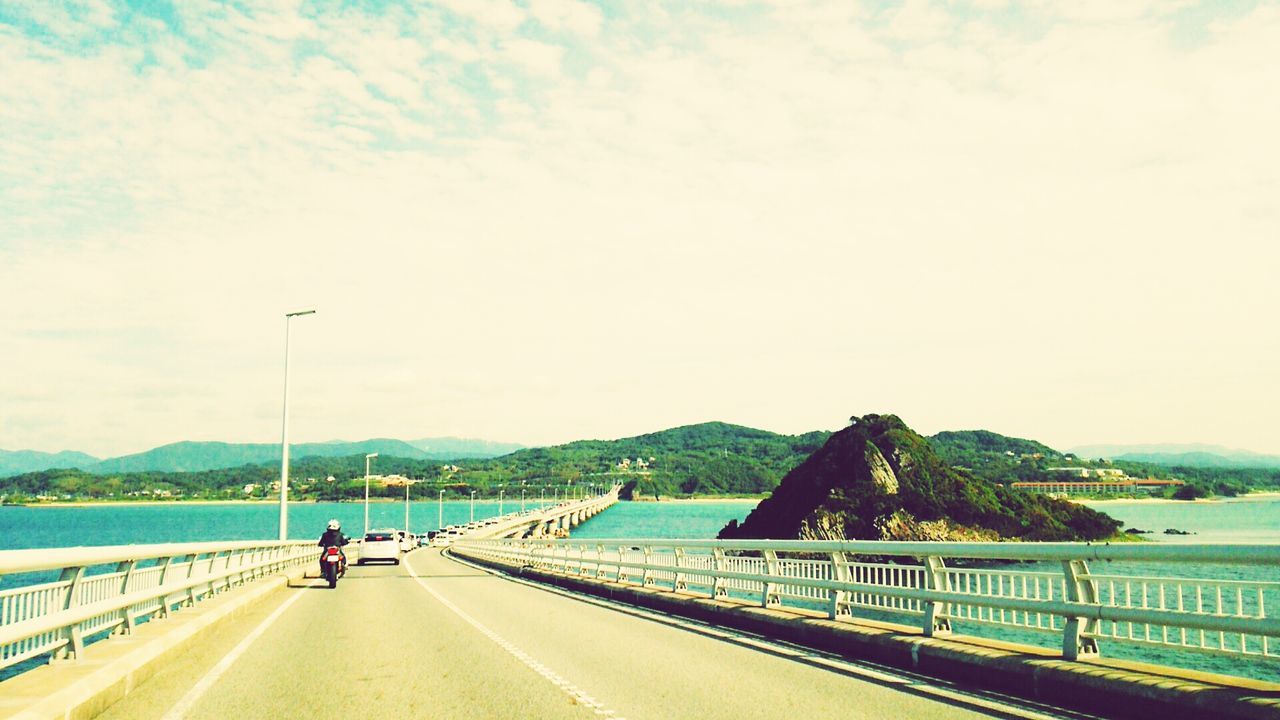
188,456
1197,455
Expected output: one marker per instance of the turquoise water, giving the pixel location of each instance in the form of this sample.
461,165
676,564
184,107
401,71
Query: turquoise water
1238,520
688,520
1241,520
53,526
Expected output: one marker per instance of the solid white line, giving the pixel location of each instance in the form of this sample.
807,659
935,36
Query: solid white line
981,700
573,691
180,710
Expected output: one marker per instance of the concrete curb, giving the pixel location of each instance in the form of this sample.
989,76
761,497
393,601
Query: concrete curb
1111,688
112,668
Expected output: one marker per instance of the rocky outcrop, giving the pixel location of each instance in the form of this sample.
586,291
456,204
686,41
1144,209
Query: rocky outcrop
879,480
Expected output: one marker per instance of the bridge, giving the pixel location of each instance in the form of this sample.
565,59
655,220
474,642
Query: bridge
510,622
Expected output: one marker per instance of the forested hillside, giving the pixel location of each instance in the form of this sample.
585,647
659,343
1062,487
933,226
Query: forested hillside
710,458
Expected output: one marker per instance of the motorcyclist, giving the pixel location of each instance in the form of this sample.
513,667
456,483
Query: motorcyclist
333,537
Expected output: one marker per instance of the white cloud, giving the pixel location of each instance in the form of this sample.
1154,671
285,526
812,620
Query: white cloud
567,15
537,57
683,218
500,16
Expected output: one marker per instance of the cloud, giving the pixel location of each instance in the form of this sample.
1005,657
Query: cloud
537,57
567,15
546,230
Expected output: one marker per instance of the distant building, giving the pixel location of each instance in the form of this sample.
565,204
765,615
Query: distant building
1095,487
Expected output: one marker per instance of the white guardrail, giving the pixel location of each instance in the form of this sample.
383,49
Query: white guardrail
111,589
938,582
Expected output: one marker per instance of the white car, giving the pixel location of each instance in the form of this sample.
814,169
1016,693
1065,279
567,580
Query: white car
380,545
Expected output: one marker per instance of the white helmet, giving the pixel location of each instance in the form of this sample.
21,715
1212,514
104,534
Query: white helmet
334,524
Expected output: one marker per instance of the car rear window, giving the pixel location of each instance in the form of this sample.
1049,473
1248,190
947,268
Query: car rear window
373,537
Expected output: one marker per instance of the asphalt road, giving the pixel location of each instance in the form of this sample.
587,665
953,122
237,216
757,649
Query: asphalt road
435,638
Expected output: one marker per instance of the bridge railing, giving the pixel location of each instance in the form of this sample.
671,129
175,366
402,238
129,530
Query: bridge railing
515,521
102,590
937,583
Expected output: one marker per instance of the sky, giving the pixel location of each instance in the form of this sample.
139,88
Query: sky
546,220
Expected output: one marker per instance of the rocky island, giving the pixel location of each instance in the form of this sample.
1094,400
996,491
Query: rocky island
879,480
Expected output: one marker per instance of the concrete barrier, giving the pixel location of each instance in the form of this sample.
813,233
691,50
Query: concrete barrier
1112,688
84,688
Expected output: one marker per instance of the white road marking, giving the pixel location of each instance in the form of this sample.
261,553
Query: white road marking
579,696
180,710
982,700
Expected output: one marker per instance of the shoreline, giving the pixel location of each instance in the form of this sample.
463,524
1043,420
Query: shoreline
1261,495
170,503
697,500
1247,497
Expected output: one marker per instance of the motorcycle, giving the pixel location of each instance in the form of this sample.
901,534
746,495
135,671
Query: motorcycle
333,565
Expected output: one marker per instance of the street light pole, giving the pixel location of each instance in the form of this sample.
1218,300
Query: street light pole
367,458
473,506
406,506
501,491
440,512
284,432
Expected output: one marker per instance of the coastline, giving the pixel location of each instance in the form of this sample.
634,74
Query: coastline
703,499
1264,495
138,503
170,503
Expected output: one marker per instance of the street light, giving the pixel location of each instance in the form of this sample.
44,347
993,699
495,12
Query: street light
440,510
367,458
473,506
521,497
406,506
284,432
501,491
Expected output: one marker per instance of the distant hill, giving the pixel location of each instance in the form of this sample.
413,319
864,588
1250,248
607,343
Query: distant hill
451,447
194,456
1195,455
707,458
960,442
189,456
16,462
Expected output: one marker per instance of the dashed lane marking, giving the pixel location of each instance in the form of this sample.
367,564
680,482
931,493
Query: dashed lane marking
579,695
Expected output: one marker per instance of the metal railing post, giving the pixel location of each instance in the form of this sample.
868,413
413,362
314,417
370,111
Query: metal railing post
164,577
1078,632
838,600
646,577
126,567
622,572
769,593
718,587
72,633
936,619
677,577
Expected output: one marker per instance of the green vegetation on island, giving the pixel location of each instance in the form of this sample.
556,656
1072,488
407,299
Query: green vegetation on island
879,480
706,459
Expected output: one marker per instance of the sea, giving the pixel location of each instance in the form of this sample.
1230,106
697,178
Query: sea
1238,520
